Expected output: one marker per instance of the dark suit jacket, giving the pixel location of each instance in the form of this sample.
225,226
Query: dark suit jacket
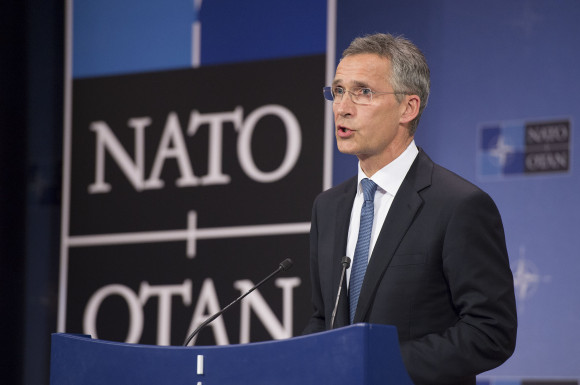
439,272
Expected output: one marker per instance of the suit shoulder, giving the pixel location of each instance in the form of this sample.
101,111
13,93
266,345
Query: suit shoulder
445,185
455,191
426,173
445,177
332,193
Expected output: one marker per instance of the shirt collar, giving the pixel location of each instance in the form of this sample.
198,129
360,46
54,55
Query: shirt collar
390,177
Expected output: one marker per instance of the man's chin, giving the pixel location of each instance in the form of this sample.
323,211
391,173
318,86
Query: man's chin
346,149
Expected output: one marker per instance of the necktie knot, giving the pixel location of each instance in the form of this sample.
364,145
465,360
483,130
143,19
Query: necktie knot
369,188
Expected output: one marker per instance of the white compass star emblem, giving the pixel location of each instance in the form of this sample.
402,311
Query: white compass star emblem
526,278
501,150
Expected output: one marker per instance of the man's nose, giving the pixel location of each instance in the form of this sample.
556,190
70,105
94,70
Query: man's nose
345,105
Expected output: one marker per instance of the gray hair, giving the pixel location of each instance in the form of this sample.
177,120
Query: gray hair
410,72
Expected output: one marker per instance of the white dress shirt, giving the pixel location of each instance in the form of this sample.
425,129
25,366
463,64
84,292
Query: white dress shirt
388,180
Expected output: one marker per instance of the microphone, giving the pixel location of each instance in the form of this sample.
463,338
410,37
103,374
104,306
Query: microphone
283,266
345,265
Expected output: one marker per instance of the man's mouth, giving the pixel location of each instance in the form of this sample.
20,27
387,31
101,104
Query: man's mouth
343,131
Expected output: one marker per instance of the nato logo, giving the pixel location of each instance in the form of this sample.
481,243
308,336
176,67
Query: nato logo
524,148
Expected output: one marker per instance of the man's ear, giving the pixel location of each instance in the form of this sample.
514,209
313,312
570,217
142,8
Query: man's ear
410,106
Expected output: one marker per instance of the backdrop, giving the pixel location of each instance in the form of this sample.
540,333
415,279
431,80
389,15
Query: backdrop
197,138
501,114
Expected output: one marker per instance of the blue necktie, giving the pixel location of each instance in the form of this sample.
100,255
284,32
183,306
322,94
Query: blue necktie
361,252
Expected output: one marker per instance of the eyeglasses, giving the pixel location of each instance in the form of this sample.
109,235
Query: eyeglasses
359,95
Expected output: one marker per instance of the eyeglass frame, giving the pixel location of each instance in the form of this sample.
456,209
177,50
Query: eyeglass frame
329,95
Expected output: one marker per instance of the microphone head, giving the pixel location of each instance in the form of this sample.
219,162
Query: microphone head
286,264
346,262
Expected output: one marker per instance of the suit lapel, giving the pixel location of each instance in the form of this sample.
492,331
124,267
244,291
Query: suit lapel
343,210
400,217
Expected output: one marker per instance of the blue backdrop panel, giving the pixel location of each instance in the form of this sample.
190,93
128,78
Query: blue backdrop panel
235,31
512,66
116,37
113,37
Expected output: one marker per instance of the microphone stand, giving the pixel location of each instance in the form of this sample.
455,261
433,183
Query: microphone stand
284,265
345,265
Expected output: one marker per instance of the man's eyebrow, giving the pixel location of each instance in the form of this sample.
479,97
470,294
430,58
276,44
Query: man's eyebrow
361,84
355,83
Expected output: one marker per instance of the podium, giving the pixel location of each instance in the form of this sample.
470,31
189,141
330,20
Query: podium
361,354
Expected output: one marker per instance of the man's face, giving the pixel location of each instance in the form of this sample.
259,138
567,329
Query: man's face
371,132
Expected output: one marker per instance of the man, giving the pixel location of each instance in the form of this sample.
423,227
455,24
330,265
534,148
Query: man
438,267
